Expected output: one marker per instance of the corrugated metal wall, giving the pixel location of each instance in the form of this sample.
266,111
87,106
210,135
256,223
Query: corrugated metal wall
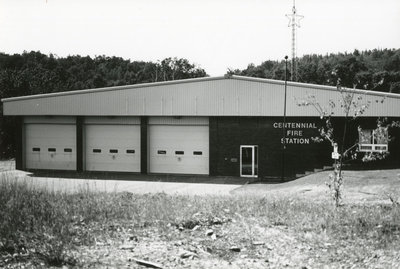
178,121
50,120
112,120
236,96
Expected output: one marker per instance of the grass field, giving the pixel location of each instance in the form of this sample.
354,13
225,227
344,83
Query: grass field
40,229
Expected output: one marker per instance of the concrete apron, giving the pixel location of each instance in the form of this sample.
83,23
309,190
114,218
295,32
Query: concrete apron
74,185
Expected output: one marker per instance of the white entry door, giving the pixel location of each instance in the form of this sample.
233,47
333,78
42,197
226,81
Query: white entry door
179,149
112,147
248,161
50,146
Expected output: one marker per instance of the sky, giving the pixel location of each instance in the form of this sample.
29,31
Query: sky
214,34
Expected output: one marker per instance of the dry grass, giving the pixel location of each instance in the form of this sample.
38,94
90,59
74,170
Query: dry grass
48,228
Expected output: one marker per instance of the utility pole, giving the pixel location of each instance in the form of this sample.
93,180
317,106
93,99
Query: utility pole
284,124
294,22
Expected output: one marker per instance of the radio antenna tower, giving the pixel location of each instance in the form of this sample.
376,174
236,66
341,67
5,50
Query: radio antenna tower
294,22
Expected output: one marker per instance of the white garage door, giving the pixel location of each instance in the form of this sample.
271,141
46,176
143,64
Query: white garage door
50,146
112,148
179,149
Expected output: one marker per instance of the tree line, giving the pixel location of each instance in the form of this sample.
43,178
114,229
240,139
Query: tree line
36,73
375,70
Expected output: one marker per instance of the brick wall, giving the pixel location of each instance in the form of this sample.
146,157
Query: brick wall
227,134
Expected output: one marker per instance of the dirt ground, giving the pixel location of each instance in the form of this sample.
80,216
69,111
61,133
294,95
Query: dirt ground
366,186
276,247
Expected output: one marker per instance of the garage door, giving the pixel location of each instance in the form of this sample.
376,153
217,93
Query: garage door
179,149
50,146
112,147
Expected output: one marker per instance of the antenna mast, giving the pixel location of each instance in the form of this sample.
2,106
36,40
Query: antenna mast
294,22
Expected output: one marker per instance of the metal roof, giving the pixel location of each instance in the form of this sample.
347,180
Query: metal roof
209,96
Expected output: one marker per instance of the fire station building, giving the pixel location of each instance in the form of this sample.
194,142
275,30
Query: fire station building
228,126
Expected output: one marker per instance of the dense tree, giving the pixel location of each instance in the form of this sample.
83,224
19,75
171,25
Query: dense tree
174,68
377,70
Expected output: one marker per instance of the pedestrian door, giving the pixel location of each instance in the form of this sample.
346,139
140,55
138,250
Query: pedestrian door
248,161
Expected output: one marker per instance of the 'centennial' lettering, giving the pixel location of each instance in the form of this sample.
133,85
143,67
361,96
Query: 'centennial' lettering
295,125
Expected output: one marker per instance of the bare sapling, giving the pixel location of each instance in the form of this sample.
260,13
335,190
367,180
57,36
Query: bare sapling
351,104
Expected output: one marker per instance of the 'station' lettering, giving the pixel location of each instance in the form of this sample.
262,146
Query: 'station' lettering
288,140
